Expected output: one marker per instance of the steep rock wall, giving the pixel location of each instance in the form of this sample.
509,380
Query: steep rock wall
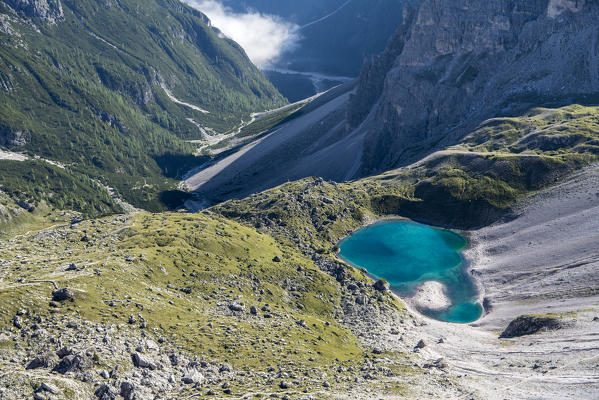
464,61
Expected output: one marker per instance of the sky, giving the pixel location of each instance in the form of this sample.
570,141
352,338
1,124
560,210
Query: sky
263,37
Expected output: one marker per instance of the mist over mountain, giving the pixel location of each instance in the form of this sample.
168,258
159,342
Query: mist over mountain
331,39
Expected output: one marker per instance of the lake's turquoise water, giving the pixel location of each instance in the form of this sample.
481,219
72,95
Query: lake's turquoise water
408,254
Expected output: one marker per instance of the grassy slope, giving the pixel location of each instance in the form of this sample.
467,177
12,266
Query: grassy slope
141,262
90,85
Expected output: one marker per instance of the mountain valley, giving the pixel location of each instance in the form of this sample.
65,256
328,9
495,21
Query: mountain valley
170,225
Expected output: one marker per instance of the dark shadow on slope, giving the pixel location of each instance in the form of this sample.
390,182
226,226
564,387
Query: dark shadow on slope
279,155
176,165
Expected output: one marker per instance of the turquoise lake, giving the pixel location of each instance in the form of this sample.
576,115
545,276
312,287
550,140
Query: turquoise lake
407,254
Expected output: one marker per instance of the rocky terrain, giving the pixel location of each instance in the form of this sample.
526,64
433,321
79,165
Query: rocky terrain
116,307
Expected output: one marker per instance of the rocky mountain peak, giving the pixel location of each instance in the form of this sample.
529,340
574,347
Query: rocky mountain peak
46,10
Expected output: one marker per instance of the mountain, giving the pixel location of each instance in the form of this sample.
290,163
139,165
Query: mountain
335,38
250,298
435,83
111,92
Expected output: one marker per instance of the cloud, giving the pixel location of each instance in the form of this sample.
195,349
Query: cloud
263,37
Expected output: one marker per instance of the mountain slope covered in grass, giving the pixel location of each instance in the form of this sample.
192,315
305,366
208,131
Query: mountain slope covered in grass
113,89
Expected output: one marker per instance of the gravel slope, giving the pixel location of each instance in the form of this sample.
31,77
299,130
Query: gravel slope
544,260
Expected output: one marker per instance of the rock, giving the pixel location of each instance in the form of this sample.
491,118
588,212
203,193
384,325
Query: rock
302,323
142,362
277,259
440,363
72,325
253,310
361,300
105,392
72,267
352,287
235,307
381,285
17,322
528,325
72,362
16,138
421,344
63,352
187,290
224,368
46,387
284,385
192,377
152,345
45,360
38,396
127,391
377,350
132,320
326,384
63,295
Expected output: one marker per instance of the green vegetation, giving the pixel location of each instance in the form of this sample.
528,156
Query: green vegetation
88,90
467,185
33,182
143,262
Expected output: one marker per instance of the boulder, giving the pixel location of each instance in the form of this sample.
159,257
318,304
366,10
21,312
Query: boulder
44,360
235,307
381,285
284,385
72,362
528,325
105,392
46,387
128,391
142,362
63,294
192,377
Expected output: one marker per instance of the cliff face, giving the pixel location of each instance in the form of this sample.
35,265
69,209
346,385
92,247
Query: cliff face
49,10
463,61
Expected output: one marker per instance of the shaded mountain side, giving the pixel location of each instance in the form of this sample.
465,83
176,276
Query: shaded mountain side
500,59
113,89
